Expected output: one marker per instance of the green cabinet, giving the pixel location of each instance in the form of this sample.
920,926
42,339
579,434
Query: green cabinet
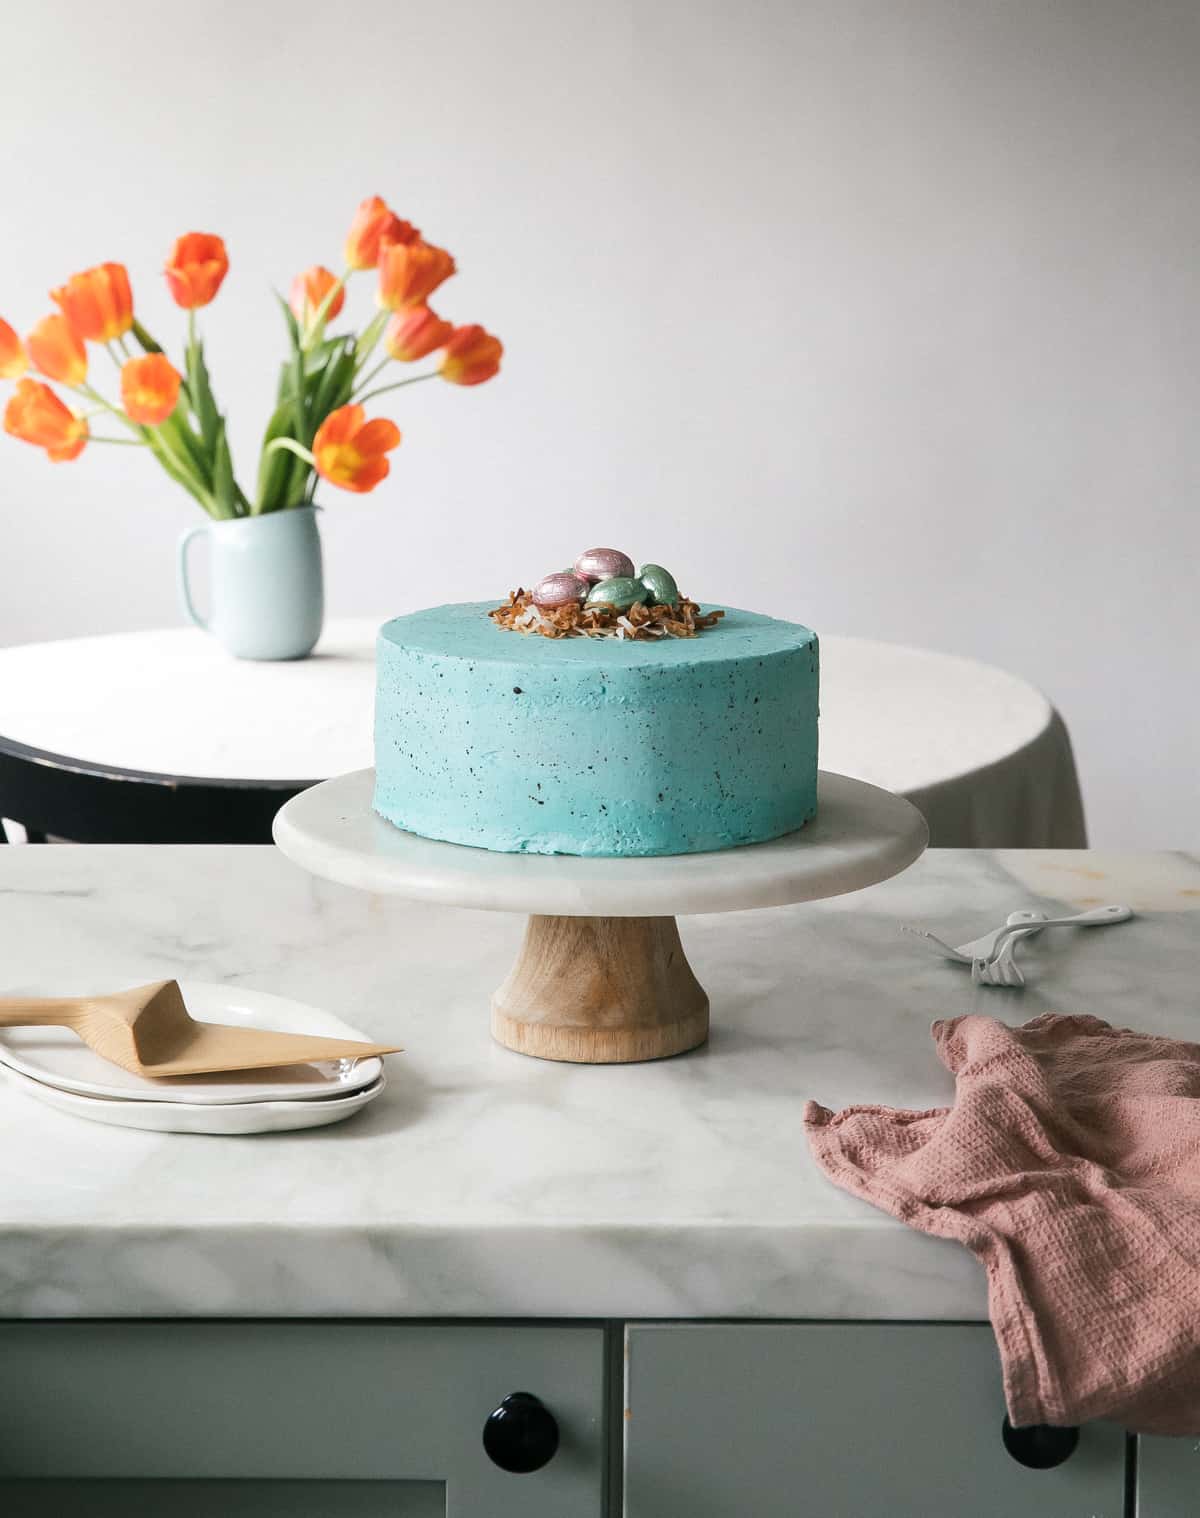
839,1420
384,1420
311,1420
1168,1478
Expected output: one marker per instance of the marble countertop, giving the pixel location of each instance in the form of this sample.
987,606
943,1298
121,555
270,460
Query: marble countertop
486,1184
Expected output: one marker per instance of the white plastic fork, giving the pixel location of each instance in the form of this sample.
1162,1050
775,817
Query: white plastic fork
978,948
999,968
1003,970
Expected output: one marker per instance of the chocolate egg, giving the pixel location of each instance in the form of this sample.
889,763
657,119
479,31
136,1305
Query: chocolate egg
620,592
603,564
659,584
565,589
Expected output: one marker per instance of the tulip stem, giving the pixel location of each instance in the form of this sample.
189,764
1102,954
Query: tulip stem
292,446
120,442
397,385
103,405
378,369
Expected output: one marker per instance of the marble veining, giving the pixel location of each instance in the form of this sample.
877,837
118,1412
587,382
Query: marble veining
486,1184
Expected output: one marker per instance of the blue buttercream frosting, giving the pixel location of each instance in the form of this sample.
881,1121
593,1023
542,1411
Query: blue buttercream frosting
521,743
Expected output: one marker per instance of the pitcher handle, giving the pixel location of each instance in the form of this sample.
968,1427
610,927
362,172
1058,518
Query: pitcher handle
185,589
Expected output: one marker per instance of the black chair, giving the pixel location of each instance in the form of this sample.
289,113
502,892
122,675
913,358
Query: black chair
54,796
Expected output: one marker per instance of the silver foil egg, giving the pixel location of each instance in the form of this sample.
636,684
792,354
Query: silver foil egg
619,592
604,564
565,589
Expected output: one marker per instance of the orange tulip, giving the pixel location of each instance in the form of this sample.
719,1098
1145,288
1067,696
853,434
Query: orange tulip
349,451
150,389
195,269
12,356
414,332
472,356
36,415
57,350
409,273
98,303
310,289
374,228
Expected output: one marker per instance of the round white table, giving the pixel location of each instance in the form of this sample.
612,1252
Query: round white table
161,736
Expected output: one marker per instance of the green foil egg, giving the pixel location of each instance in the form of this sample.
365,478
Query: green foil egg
659,584
621,591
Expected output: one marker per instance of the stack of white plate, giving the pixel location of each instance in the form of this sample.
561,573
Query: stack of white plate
53,1066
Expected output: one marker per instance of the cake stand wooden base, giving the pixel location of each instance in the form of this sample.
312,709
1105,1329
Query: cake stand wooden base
602,977
600,991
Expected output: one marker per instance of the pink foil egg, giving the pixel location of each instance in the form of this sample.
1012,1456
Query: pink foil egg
603,564
563,589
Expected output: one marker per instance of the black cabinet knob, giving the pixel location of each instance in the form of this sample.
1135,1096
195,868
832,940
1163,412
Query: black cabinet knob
522,1434
1039,1445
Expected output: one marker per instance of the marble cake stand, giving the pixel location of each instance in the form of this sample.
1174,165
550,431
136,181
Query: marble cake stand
602,977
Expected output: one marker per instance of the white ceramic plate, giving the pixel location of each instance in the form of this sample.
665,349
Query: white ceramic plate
55,1057
193,1117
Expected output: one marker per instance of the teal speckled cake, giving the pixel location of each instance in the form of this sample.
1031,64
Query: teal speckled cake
595,745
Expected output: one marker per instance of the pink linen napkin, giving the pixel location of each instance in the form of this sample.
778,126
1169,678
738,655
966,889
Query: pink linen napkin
1069,1165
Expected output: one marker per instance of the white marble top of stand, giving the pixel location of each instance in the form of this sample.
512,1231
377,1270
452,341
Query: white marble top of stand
861,835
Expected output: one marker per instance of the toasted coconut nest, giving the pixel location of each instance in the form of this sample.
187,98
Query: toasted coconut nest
520,614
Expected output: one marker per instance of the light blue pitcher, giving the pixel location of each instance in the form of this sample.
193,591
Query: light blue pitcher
268,597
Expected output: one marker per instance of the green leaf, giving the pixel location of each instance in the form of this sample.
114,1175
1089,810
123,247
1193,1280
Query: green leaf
148,345
171,468
177,432
371,334
302,433
327,348
281,475
292,325
200,391
300,399
224,490
334,386
295,371
274,468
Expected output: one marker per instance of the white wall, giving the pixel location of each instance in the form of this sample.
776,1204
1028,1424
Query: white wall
879,313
